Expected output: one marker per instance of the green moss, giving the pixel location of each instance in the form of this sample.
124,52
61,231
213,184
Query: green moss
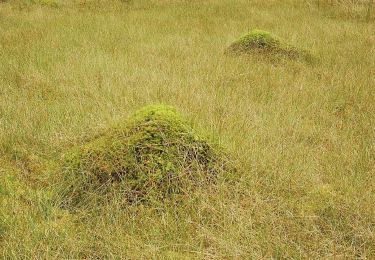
153,154
263,42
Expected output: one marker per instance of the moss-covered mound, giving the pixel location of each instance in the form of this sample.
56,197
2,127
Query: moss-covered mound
263,42
153,154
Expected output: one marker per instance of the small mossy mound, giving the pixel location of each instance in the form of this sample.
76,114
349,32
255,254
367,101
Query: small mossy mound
153,154
263,42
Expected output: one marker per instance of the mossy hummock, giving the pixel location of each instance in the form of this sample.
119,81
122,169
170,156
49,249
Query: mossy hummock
153,154
263,42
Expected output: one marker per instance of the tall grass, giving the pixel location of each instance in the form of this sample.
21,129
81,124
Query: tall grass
356,9
301,135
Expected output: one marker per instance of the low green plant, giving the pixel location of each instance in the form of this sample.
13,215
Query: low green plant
153,154
263,42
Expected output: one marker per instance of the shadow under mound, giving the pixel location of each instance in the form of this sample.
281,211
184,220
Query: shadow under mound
268,45
151,156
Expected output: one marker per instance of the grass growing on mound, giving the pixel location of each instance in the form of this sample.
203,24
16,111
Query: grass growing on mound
152,155
263,42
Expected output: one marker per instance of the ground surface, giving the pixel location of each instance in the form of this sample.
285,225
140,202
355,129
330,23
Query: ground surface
302,135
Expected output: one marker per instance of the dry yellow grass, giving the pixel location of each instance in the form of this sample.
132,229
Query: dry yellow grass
302,135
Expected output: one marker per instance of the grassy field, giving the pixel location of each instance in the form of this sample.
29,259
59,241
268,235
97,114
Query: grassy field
301,135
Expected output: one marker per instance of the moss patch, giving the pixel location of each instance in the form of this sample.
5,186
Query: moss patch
263,42
150,156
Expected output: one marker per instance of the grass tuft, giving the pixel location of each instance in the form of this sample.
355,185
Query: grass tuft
153,154
268,44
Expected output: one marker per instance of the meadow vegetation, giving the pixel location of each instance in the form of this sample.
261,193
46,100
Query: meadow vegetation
299,137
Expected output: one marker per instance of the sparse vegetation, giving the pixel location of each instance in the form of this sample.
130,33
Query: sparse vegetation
301,137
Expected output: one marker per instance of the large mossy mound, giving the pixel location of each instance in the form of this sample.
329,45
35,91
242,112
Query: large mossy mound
265,43
153,154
